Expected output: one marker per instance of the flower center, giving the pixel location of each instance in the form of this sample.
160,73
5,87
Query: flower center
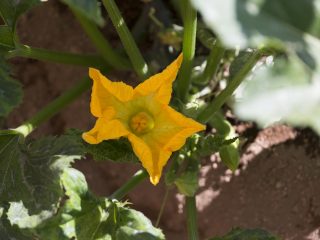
141,123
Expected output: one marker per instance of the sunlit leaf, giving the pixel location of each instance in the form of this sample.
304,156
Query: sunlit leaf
85,217
30,176
286,92
293,25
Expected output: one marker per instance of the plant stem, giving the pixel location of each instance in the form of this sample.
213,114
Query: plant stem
57,57
163,204
217,103
137,178
54,107
213,62
192,218
101,43
189,43
137,60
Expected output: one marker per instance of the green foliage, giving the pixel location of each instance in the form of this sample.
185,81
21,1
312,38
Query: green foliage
89,8
205,36
187,181
10,90
250,23
228,152
285,92
36,176
247,234
119,150
11,10
85,217
30,176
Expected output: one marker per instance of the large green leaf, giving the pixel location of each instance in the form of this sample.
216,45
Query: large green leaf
86,217
285,92
88,8
293,25
10,90
30,176
247,234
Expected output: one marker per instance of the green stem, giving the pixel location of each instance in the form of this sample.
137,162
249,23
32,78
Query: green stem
54,107
217,103
102,45
137,178
189,43
192,218
57,57
163,204
213,62
137,60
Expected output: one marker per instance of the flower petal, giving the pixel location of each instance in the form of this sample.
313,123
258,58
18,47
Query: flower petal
143,152
188,127
106,93
160,158
105,130
161,83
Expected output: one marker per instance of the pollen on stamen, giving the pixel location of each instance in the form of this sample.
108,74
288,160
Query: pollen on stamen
141,123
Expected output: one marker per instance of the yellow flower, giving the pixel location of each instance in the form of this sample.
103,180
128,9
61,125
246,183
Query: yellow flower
141,114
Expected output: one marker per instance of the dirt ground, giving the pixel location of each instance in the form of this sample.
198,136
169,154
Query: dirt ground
275,188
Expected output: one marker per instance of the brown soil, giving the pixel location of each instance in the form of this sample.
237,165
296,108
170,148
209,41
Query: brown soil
275,188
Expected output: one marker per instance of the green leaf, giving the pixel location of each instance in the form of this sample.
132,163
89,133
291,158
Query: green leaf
230,156
135,226
30,176
10,232
285,92
228,151
89,8
205,36
119,150
11,10
85,217
211,144
251,23
81,215
187,182
247,234
10,90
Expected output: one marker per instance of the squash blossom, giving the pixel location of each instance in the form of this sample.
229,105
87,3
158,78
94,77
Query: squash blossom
141,114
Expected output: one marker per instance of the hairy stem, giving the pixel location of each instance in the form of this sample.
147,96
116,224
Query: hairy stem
189,43
217,103
137,60
102,44
192,218
57,57
54,107
137,178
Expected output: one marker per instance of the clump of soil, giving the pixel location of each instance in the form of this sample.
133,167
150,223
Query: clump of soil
276,187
